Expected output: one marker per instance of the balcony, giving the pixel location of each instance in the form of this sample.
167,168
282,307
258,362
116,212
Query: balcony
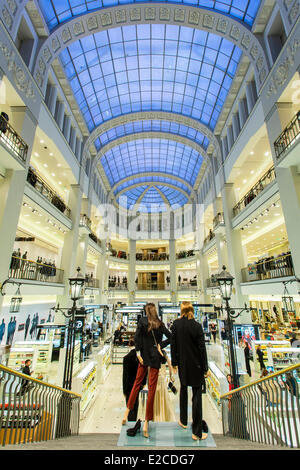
85,222
96,240
152,257
10,139
288,137
185,254
255,191
119,254
190,285
37,182
269,268
91,282
151,286
31,271
219,223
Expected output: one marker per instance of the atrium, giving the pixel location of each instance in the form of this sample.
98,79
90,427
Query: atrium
146,147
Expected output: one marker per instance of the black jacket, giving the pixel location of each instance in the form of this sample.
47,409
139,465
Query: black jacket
130,367
188,352
145,344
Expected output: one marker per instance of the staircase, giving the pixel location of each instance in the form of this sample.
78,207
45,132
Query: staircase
110,442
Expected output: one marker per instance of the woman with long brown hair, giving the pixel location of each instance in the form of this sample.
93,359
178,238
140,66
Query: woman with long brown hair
148,344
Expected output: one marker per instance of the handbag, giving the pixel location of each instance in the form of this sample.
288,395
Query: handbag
172,387
162,359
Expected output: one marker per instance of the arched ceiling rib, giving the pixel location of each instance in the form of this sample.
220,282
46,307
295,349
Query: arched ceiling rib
162,58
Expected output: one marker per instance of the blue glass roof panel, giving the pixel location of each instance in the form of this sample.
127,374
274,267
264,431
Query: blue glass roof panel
58,11
126,70
151,155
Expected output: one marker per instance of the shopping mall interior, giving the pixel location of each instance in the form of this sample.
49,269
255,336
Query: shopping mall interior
148,151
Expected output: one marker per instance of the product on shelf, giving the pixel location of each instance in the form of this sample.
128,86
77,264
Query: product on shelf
85,384
216,383
281,358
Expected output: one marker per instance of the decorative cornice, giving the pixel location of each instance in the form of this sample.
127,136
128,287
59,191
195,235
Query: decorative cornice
182,15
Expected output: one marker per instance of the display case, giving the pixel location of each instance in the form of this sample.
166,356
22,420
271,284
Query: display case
216,384
104,359
62,358
42,356
85,384
265,344
18,356
281,358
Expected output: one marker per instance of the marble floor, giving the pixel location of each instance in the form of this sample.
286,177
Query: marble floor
106,412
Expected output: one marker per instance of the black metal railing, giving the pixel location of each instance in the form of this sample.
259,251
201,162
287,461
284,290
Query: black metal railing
288,137
263,182
152,256
21,268
218,220
266,411
185,254
11,139
45,190
189,285
33,411
85,221
91,282
269,268
209,237
95,239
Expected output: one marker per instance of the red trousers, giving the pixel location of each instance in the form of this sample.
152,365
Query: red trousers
152,382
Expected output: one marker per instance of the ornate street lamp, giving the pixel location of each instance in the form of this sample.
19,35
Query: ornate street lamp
225,283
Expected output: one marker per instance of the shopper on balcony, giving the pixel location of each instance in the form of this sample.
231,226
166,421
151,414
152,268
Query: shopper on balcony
188,354
149,333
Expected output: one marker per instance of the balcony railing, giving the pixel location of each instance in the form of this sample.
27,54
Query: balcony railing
35,411
91,282
209,237
269,268
151,286
191,285
30,270
85,221
265,411
218,220
266,179
45,190
10,138
152,257
95,239
288,137
185,254
119,254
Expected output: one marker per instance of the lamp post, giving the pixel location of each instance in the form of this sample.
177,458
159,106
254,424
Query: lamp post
225,283
76,286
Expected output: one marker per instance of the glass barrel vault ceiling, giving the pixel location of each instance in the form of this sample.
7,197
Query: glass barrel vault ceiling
151,68
159,68
58,11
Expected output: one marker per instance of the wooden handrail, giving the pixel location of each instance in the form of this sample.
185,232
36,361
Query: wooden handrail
27,377
264,379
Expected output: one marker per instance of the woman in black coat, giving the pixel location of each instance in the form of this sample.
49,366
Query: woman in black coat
148,344
188,353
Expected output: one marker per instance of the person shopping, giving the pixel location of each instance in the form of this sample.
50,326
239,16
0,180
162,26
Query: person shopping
148,344
188,354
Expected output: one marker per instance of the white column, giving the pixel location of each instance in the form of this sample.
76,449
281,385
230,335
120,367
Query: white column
132,271
83,239
78,149
235,251
288,180
224,147
68,256
173,273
